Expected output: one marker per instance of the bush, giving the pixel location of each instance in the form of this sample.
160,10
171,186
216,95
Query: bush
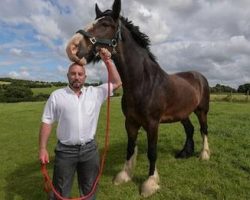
244,88
14,93
40,97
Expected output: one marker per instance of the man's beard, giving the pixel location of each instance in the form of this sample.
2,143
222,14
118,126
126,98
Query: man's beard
76,84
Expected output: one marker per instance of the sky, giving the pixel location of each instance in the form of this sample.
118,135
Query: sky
209,36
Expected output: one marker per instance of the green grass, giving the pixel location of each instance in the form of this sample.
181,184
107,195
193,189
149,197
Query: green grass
234,97
44,90
51,89
225,176
4,82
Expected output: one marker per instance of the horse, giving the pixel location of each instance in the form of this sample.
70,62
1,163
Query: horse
150,95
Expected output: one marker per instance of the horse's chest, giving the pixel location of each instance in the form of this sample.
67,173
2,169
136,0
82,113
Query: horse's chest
133,111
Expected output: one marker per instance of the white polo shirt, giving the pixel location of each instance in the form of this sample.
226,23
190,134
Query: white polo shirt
77,117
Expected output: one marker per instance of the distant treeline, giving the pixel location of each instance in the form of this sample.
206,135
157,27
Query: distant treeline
245,88
32,84
16,90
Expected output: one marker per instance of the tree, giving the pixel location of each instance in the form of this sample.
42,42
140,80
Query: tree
244,88
221,88
15,93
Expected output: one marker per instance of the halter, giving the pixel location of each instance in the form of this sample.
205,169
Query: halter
109,42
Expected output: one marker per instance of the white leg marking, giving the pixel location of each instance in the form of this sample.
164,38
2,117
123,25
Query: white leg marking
205,153
151,185
126,173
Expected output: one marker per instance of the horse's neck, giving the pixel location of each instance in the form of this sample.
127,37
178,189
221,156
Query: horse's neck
135,67
129,75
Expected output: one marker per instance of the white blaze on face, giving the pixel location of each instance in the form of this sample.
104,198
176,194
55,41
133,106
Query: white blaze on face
72,49
76,39
91,25
73,45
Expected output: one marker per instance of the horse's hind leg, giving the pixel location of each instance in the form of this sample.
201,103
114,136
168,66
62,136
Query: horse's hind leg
188,148
202,116
126,173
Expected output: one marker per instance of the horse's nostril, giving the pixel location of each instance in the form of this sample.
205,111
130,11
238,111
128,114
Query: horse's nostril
80,52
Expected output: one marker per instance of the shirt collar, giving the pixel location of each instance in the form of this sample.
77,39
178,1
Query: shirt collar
72,91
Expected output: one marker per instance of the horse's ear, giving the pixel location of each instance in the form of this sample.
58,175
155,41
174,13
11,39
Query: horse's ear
116,9
98,12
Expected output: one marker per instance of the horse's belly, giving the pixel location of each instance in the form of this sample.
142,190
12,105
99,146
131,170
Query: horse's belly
171,118
176,115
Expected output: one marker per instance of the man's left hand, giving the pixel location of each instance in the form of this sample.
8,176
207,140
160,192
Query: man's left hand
105,54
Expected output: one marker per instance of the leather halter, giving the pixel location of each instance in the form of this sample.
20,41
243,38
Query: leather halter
102,41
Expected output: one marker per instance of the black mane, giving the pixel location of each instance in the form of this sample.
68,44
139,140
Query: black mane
141,38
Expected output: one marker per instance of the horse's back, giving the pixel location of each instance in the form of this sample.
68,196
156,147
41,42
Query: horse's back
200,83
197,82
193,77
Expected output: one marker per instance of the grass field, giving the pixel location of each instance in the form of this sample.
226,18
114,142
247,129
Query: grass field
235,97
4,82
215,97
225,176
51,89
47,90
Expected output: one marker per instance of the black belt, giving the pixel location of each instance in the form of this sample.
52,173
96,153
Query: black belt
77,145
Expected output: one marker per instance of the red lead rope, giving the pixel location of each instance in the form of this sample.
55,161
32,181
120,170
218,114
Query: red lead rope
48,185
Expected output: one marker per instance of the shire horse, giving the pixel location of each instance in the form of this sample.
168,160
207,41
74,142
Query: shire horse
150,95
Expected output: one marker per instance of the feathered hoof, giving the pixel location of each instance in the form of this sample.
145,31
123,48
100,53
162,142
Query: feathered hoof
150,186
205,154
121,177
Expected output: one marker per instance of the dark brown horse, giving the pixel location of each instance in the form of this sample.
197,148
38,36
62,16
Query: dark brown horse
150,95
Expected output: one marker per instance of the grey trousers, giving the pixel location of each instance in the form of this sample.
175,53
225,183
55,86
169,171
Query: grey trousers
83,159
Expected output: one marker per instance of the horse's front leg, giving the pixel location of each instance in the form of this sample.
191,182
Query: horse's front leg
126,173
151,185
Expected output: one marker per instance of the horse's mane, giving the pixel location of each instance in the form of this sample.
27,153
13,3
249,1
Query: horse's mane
141,38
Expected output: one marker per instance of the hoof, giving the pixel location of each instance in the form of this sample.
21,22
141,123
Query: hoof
121,177
205,155
150,186
184,154
127,172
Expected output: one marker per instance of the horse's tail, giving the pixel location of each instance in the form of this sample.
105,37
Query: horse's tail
205,93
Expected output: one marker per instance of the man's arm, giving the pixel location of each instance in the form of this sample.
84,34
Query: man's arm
114,75
44,134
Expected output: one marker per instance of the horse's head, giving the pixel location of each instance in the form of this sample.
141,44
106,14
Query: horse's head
103,32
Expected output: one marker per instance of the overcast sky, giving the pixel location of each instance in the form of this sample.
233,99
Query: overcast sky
210,36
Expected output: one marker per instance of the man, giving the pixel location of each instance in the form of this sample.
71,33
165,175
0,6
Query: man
76,109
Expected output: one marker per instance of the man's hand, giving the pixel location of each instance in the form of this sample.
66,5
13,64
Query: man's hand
45,131
104,54
43,156
114,75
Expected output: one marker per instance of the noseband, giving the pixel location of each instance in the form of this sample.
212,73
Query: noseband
102,41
